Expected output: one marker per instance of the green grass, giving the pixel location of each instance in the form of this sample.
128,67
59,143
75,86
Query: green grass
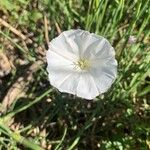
44,117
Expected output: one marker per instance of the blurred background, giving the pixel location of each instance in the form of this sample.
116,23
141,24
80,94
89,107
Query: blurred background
34,115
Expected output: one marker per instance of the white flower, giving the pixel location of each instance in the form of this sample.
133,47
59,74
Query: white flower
132,39
81,63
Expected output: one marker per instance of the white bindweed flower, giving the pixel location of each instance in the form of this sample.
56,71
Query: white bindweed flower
81,63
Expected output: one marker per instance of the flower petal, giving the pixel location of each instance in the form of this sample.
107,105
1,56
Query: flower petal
93,45
64,81
78,38
104,76
57,61
86,87
99,47
62,74
65,45
69,84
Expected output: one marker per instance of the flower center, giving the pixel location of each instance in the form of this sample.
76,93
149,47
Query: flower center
83,64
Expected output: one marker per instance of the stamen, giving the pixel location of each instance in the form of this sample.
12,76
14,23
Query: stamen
83,64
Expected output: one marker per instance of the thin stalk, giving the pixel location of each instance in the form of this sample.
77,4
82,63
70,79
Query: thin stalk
99,23
145,22
29,57
63,137
11,114
18,138
88,15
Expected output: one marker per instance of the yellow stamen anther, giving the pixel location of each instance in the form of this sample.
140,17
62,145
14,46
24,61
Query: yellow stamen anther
83,64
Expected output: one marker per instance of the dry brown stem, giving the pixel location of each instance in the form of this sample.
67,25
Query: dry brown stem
57,28
46,30
15,31
20,86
